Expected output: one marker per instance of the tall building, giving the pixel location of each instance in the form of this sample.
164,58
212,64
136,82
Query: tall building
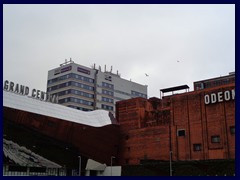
197,125
214,82
88,89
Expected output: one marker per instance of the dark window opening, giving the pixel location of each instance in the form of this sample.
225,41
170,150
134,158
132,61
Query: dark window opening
197,147
215,139
232,129
181,133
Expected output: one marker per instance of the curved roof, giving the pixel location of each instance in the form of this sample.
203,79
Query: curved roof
97,118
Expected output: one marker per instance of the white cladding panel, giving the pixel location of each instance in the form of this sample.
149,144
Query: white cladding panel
95,118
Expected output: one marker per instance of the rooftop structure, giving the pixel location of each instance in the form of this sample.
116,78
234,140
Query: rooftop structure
214,82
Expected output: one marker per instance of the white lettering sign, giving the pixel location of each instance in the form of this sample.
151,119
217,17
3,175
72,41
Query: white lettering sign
219,96
24,90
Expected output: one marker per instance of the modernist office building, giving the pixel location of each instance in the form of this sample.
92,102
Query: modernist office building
88,89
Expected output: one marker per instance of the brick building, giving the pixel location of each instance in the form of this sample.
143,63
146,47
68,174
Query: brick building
197,125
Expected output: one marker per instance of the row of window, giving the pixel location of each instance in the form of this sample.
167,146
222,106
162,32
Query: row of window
75,100
72,91
71,75
215,139
138,94
70,83
110,108
86,79
110,93
81,93
196,147
79,108
215,83
107,99
121,92
107,85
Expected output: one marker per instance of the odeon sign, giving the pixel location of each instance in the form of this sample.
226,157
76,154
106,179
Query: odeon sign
219,96
24,90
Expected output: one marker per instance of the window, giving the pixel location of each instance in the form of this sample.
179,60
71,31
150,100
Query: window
107,99
107,85
76,100
138,94
197,147
181,132
110,93
107,107
79,108
232,129
215,139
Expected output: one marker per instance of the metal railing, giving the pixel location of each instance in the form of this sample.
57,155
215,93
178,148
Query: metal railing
9,170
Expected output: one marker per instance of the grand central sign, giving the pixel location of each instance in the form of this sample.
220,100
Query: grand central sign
24,90
219,96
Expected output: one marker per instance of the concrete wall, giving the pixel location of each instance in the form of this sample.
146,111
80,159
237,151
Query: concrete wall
109,171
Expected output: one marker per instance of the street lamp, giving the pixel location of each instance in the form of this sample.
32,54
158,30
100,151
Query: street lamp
170,162
111,163
79,165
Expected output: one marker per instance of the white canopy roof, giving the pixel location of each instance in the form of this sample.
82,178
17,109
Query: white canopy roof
94,165
95,118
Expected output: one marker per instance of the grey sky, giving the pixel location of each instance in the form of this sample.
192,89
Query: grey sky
134,39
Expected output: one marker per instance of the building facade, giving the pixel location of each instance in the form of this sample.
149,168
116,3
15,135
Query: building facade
192,126
92,134
197,125
88,89
215,82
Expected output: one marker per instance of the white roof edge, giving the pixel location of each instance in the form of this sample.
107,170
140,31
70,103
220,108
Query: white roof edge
96,118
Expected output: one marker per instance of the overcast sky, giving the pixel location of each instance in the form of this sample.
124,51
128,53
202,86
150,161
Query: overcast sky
134,39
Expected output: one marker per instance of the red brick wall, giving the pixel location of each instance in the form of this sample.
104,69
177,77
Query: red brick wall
149,128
